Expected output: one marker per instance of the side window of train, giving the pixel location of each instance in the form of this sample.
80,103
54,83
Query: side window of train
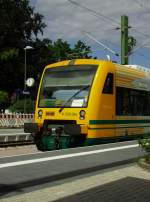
132,102
108,86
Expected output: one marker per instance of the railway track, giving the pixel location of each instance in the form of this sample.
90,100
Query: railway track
13,144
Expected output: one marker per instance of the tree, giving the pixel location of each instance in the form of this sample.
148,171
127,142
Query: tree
18,107
61,50
81,50
131,43
47,52
4,100
18,25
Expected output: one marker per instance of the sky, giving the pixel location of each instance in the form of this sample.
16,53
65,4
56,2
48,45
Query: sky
72,19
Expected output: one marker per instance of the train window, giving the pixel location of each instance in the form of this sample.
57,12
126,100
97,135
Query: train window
132,102
108,86
146,107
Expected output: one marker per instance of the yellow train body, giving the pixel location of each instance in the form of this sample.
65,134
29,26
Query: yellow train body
114,108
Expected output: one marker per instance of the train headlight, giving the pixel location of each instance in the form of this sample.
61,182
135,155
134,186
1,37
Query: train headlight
82,114
40,113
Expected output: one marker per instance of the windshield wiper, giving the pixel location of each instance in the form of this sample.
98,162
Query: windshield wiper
74,95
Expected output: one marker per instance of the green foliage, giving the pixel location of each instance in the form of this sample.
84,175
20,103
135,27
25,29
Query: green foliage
4,100
18,22
47,52
145,144
18,106
81,50
4,96
131,43
20,26
9,54
61,49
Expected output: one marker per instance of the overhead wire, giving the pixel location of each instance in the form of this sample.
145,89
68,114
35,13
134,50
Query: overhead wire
105,18
139,2
141,54
95,13
98,14
100,43
146,35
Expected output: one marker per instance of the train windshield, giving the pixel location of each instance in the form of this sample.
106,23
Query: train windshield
67,86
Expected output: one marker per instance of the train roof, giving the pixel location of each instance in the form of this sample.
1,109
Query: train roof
138,67
98,61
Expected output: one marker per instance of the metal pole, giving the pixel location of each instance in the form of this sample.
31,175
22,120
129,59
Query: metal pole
25,76
25,70
124,39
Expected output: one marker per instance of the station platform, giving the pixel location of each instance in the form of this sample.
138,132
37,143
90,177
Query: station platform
126,183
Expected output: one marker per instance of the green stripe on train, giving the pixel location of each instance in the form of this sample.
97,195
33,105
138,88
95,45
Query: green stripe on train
119,127
101,140
95,122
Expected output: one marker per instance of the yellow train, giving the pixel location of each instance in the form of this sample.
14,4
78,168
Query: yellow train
86,102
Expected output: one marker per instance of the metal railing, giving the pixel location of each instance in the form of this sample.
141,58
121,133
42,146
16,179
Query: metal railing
15,120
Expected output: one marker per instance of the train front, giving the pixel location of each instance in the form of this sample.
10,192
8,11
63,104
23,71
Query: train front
62,106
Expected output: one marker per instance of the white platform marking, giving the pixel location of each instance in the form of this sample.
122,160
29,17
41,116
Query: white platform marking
65,156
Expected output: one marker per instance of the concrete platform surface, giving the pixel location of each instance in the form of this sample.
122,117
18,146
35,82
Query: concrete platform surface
128,184
18,150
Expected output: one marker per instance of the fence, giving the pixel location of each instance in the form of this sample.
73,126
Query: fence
14,120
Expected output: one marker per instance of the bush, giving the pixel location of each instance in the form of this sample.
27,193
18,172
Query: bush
4,100
145,144
18,106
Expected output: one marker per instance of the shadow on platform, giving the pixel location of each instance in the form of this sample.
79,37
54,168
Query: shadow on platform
17,188
124,190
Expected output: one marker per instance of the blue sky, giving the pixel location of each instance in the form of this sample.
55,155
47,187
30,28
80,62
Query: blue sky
67,19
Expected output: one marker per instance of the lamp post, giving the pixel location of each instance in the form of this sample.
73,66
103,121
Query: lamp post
25,75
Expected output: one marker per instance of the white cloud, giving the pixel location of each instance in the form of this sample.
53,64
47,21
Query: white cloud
67,21
61,16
